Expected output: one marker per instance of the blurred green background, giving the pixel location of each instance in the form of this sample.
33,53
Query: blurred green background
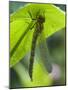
56,47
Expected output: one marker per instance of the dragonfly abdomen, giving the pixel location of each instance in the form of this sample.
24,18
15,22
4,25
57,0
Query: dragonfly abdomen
35,36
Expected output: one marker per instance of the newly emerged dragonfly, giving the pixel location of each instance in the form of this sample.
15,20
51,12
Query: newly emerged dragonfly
38,24
40,19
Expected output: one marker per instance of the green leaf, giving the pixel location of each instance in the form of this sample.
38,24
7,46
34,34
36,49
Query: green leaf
20,33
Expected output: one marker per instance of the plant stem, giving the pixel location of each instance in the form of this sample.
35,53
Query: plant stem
23,74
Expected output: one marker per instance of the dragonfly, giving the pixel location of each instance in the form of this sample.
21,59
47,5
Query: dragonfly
38,24
40,19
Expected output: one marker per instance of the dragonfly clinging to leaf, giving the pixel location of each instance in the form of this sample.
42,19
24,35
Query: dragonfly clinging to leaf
37,23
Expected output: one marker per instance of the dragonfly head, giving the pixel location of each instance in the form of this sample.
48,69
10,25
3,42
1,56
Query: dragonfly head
41,19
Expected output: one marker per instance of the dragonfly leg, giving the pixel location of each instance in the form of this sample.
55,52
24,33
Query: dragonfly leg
31,15
27,22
